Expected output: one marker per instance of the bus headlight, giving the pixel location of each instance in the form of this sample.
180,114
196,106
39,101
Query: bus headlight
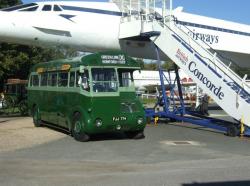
118,127
98,122
140,121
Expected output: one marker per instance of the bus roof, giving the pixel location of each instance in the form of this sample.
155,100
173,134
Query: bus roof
111,58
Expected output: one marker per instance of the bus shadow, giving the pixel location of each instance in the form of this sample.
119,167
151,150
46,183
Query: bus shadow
94,137
56,128
228,183
108,136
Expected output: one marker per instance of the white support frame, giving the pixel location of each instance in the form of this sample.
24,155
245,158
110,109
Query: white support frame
130,4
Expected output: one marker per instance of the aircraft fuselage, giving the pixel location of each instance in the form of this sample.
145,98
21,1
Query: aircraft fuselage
94,26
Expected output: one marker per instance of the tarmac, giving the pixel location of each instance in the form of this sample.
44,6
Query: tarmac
174,154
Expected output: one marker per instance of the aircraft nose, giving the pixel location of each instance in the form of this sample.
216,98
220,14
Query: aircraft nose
4,26
7,25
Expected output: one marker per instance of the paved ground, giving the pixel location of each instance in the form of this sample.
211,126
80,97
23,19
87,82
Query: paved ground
41,156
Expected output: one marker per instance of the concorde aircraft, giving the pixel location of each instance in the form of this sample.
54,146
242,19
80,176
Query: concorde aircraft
94,26
184,38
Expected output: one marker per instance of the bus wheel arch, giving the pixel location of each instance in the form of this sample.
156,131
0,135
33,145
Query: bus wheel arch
76,128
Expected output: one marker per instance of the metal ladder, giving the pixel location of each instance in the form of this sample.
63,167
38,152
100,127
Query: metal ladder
201,63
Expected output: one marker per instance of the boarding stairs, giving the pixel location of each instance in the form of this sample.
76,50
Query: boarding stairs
216,78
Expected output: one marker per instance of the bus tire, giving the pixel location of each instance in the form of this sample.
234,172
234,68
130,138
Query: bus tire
36,117
135,134
76,131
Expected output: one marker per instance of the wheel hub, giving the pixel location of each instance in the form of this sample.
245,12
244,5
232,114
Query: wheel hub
78,127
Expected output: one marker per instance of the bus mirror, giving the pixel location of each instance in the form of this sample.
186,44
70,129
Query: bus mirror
81,69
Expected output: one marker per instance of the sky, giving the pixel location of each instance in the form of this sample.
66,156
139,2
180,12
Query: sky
221,9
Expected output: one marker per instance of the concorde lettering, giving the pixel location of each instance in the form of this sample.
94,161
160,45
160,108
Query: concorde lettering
213,88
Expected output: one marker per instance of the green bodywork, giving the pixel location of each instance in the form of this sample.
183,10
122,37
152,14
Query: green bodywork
15,96
118,111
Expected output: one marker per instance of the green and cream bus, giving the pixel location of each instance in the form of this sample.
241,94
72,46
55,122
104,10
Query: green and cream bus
87,95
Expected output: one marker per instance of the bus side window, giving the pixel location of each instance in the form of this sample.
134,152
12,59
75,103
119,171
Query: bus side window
18,89
7,88
63,79
23,90
44,78
52,79
83,80
125,78
13,89
34,80
72,79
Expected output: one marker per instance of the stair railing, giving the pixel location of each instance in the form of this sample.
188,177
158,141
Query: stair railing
210,53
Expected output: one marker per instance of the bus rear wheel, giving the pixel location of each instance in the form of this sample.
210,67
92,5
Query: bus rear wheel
36,117
135,134
76,130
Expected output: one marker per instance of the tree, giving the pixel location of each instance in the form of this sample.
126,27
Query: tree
141,62
16,60
150,65
153,65
7,3
168,65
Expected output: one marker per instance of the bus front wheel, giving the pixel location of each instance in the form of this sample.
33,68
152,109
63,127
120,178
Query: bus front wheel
36,117
77,132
